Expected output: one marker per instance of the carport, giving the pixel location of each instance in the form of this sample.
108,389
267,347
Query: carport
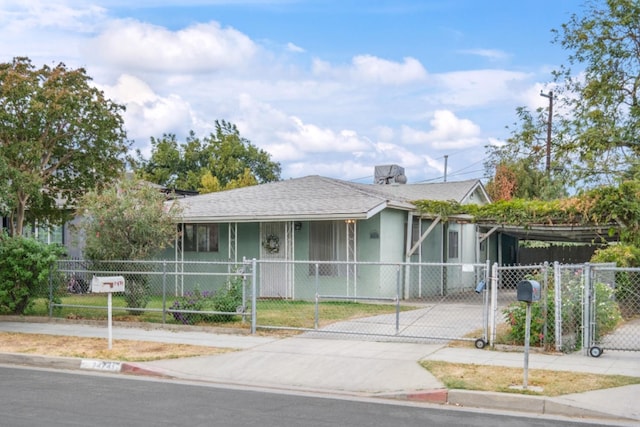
509,236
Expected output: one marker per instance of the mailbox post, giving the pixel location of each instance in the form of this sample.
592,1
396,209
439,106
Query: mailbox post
108,285
527,291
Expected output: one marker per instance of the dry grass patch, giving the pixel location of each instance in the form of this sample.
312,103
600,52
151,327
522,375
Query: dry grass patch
97,348
500,379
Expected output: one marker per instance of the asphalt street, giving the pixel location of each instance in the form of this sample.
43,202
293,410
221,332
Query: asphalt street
34,397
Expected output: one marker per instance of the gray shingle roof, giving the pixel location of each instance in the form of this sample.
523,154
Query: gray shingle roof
313,198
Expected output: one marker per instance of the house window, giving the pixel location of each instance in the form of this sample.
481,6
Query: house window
453,244
46,234
200,237
415,231
327,243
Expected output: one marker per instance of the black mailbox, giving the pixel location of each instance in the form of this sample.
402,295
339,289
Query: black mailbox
528,291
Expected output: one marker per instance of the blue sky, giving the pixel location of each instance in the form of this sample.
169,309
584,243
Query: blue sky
327,87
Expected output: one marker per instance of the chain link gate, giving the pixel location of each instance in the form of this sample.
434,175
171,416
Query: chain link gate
612,309
586,307
399,301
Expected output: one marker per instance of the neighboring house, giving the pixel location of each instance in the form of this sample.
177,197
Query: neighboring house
68,235
331,222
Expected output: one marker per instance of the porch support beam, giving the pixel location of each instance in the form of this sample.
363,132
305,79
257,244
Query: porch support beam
435,222
485,236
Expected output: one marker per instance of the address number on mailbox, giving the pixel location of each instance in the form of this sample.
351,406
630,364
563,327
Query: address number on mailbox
107,284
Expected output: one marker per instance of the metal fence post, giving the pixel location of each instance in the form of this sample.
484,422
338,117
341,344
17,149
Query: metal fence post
51,291
164,292
317,301
586,308
494,305
397,300
244,289
485,302
545,305
557,279
253,296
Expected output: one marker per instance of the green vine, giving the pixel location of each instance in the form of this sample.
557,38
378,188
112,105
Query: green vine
616,207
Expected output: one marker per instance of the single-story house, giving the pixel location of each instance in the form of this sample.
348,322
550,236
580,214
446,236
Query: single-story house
332,223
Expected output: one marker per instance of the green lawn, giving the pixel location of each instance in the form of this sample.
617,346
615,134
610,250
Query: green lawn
272,312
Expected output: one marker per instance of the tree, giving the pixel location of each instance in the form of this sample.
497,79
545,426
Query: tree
503,184
129,221
599,87
211,184
192,165
596,122
59,137
518,169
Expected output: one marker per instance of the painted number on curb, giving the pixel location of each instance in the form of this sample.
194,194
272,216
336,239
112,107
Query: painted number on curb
100,365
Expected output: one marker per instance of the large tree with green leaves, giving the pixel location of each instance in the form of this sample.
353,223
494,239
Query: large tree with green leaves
599,87
223,155
59,137
596,120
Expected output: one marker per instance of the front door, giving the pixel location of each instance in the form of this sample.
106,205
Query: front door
276,250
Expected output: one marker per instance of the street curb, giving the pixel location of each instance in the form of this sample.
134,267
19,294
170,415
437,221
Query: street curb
500,401
522,403
459,398
40,361
439,396
73,363
135,369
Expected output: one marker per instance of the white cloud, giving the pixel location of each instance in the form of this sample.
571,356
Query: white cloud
376,70
492,54
385,133
481,87
135,45
30,15
148,114
447,131
309,138
371,69
293,48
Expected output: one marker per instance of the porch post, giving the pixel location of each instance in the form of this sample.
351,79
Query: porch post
407,269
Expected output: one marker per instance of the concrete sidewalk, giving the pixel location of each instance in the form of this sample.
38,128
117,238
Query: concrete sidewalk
352,367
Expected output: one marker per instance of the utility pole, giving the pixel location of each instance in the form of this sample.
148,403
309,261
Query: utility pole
550,96
446,159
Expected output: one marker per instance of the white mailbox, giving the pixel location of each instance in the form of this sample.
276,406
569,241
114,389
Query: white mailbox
107,284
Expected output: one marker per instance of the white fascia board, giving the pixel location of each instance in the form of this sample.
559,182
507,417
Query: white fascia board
376,210
274,218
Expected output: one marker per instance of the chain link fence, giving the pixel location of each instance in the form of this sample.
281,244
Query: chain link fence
164,291
582,307
400,301
509,313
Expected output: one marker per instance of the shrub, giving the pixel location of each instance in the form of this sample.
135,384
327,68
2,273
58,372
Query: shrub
226,299
25,267
607,315
627,284
136,293
516,315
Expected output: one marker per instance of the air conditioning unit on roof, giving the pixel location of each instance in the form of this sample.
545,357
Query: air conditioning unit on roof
389,174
